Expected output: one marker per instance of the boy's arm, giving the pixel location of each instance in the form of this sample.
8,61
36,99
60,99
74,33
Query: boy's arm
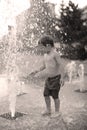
60,62
40,69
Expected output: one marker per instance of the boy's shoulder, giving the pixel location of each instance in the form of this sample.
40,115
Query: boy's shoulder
55,53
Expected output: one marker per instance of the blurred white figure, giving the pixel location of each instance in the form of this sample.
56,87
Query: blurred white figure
81,71
71,70
81,77
20,87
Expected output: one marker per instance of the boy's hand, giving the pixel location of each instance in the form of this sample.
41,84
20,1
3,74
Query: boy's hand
33,73
62,83
36,75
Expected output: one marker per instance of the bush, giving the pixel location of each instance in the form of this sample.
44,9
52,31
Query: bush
74,53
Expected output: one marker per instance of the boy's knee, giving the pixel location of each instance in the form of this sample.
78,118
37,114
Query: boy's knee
57,100
47,97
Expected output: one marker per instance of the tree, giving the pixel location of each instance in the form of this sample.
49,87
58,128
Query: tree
84,29
73,30
71,23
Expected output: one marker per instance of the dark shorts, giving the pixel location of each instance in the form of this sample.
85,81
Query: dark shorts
52,86
54,93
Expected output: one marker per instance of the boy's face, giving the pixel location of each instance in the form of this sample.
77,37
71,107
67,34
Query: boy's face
48,48
45,49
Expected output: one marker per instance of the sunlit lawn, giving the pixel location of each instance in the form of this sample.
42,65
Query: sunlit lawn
27,63
33,100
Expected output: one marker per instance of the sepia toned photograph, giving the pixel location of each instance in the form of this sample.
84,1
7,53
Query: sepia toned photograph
43,64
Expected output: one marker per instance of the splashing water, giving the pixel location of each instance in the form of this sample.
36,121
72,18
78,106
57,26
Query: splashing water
10,56
71,70
11,10
81,77
81,71
76,75
12,87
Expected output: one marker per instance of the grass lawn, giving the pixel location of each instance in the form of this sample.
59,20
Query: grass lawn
74,114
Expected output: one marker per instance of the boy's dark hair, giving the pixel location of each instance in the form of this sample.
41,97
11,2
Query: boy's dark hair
46,40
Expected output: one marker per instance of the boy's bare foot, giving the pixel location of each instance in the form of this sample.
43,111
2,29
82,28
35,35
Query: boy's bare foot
56,114
46,113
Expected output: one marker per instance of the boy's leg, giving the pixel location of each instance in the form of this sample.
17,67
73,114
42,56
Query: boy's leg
57,108
57,104
55,95
47,101
48,104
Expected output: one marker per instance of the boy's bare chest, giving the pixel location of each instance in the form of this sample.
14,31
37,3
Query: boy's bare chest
50,61
49,58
